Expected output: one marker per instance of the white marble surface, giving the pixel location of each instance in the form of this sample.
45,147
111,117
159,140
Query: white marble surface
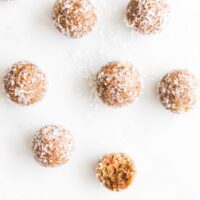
164,146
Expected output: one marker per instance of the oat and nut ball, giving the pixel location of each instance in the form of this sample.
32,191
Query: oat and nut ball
118,83
179,91
116,171
147,16
52,146
24,83
74,18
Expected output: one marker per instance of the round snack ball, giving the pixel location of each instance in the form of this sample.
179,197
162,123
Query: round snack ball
24,83
52,146
179,91
147,16
116,171
74,18
118,83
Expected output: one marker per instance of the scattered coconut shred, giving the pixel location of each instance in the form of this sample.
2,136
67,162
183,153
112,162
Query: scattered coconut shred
115,84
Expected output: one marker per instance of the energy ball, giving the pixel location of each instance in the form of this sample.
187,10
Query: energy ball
25,84
116,171
179,91
147,16
74,18
52,146
118,83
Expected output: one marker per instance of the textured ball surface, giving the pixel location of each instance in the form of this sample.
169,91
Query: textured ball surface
118,84
74,18
116,171
52,146
147,16
179,91
25,84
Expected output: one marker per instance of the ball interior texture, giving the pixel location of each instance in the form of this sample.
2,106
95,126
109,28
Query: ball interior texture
116,171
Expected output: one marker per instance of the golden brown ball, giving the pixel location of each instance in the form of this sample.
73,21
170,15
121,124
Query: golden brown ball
179,91
118,83
74,18
52,146
25,84
147,16
116,171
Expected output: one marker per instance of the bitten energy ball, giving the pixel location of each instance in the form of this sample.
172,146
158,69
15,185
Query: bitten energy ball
25,84
147,16
118,84
179,91
116,171
74,18
52,146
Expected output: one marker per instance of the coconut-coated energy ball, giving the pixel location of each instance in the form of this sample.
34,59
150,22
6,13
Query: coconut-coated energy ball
52,146
147,16
179,91
118,83
74,18
25,83
116,171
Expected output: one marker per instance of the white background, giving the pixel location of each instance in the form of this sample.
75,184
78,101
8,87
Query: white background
164,146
